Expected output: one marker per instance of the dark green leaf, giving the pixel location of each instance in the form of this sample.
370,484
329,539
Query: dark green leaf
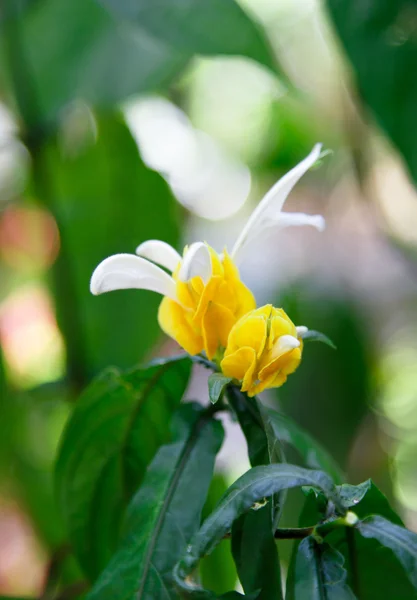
164,513
369,559
365,499
254,551
280,428
209,27
105,200
250,420
116,428
255,529
51,70
316,336
217,570
236,595
258,483
318,574
352,495
378,36
401,541
216,384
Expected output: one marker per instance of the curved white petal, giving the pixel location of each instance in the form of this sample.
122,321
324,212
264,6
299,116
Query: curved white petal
126,271
288,342
159,252
196,263
288,219
271,204
284,344
301,330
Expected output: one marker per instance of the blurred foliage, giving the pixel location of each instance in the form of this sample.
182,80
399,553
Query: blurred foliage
65,69
379,37
198,28
115,430
97,215
337,380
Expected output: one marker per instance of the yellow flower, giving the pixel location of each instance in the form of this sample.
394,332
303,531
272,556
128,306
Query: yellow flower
204,296
204,313
263,349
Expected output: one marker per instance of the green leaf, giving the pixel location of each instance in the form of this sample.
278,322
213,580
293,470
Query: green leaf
164,513
319,574
352,495
50,70
281,429
217,570
254,551
253,530
369,559
255,485
250,420
98,216
216,384
379,40
209,27
316,336
117,426
366,499
401,541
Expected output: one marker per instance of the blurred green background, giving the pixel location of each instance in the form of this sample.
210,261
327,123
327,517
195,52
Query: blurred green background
125,120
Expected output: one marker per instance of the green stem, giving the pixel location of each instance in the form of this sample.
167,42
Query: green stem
202,360
351,544
238,400
318,531
54,571
293,533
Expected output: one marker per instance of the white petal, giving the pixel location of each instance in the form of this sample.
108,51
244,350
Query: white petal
288,219
301,330
287,342
196,263
159,252
126,271
272,203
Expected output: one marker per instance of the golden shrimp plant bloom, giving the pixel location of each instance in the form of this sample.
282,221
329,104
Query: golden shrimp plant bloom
264,347
206,308
204,297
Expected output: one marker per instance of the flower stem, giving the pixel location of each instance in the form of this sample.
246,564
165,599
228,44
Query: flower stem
293,533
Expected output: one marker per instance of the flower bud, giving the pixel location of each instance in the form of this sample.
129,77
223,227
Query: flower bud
262,350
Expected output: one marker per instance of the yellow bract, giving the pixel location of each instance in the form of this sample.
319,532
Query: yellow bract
206,312
260,352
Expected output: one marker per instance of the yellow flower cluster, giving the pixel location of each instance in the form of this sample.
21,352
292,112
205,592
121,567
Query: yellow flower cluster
205,305
257,347
205,313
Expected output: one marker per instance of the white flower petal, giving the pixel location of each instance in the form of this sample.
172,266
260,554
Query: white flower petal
196,263
287,342
272,203
289,219
301,330
159,252
126,271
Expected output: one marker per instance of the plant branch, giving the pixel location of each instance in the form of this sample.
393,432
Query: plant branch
351,544
293,533
54,571
235,397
